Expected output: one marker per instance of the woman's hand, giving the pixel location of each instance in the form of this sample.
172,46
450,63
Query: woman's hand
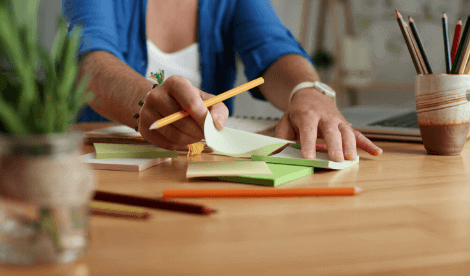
313,114
175,94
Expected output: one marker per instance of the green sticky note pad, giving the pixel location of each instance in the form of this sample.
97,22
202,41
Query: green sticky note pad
112,151
281,174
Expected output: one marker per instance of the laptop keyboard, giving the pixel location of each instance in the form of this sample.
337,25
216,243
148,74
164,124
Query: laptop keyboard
409,120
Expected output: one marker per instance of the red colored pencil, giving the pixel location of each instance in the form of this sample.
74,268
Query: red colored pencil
456,40
216,193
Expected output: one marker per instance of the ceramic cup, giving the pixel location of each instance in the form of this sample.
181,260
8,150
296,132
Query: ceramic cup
443,108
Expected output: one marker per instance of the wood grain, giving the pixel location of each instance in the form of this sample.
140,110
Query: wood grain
413,220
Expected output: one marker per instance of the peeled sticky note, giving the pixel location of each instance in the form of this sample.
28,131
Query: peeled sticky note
281,174
109,151
292,156
224,168
232,141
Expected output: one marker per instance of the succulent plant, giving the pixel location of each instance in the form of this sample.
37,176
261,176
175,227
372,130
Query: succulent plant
38,90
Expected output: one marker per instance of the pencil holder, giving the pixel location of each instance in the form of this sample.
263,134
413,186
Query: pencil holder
45,189
443,109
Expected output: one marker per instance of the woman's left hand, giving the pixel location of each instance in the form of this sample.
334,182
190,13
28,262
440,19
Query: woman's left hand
313,114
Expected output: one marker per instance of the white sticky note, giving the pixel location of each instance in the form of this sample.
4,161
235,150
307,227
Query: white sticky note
232,141
321,160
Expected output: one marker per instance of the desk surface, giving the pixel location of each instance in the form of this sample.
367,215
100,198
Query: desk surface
414,219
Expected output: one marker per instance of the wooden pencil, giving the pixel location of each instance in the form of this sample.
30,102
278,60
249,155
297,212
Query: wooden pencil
460,49
217,193
162,204
445,34
212,101
456,40
117,210
423,68
464,58
415,33
408,42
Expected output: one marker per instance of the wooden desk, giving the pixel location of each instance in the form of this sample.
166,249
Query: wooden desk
414,219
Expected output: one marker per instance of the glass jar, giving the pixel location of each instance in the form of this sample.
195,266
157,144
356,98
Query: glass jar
45,189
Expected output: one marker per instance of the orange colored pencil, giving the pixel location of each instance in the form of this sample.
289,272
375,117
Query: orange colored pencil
216,193
210,102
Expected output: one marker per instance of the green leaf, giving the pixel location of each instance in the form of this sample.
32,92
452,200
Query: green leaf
10,118
80,97
59,41
69,65
11,42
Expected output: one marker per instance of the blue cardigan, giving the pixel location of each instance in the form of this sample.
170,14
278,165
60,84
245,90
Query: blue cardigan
249,27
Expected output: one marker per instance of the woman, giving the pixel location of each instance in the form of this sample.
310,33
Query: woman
121,38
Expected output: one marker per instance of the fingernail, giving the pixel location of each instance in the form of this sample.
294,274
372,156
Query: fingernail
378,152
338,156
309,155
218,126
350,156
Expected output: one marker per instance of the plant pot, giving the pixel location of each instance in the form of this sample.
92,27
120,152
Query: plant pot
45,189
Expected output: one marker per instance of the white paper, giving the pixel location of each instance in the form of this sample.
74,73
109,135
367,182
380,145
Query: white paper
232,141
122,164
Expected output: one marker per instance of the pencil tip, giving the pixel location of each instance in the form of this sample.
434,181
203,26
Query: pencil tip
154,125
397,13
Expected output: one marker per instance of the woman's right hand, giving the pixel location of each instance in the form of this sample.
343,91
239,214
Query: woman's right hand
175,94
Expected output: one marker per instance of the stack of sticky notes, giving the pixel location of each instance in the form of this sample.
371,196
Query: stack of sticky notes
245,171
273,170
127,157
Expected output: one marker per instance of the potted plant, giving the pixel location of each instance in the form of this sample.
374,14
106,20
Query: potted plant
45,186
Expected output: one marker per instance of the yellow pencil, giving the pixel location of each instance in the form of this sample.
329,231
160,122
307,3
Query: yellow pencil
210,102
117,210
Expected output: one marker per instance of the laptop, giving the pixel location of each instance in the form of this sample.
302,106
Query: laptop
390,123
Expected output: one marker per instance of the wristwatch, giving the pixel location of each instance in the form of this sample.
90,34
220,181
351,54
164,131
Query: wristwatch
320,86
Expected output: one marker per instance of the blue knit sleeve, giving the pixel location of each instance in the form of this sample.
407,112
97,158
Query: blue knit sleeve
99,22
260,37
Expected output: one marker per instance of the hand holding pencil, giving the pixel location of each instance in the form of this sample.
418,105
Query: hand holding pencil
173,95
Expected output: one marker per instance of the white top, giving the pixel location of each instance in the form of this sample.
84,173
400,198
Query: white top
184,63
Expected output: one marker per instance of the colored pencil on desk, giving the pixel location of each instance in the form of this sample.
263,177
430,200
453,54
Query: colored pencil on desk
154,203
408,42
117,210
216,193
460,49
456,40
445,33
421,64
415,33
212,101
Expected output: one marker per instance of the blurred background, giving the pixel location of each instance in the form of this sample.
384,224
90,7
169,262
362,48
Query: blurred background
358,44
